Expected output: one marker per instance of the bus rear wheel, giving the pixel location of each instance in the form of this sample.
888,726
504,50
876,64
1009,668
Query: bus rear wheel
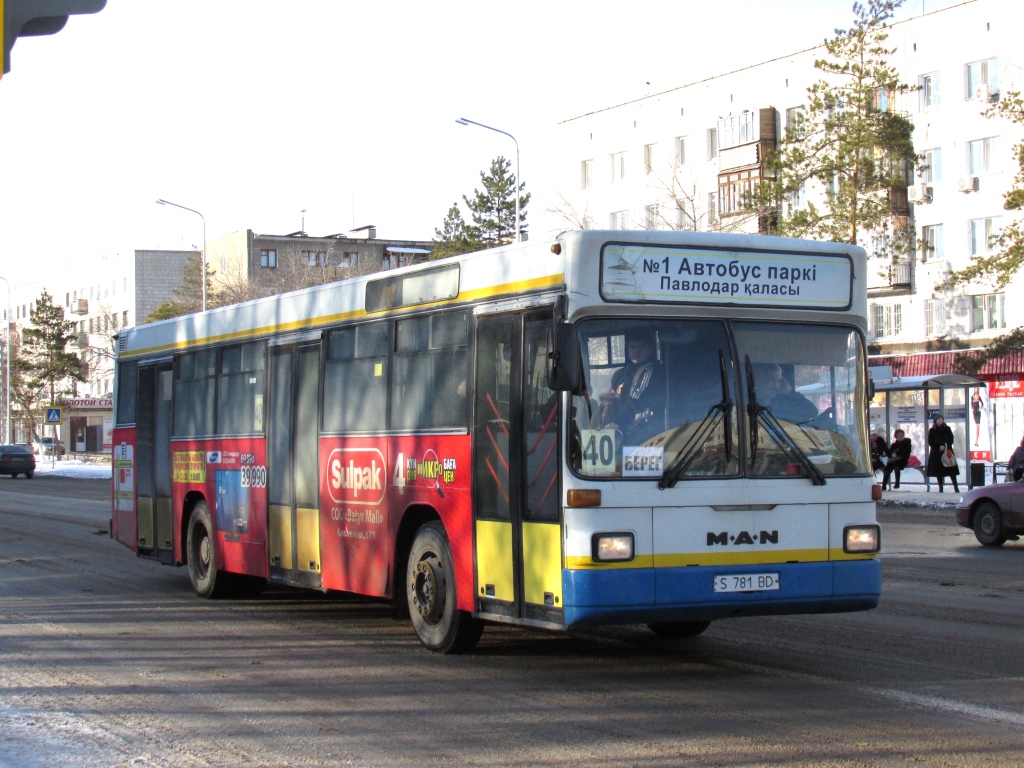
675,630
430,589
206,580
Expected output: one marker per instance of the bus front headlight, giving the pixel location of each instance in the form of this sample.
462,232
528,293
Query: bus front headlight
862,539
611,547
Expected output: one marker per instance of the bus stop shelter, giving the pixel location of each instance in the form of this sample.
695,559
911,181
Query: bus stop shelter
911,403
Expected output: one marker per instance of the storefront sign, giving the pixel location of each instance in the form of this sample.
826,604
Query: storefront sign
82,403
1013,388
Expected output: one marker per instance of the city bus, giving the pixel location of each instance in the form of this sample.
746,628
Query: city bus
609,428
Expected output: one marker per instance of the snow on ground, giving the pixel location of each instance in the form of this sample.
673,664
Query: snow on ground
47,465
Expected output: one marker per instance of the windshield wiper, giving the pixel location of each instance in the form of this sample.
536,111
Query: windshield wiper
762,415
720,411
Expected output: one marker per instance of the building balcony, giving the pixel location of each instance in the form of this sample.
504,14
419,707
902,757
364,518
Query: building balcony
896,277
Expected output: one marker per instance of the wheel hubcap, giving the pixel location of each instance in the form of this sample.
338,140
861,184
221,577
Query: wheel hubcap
428,589
205,553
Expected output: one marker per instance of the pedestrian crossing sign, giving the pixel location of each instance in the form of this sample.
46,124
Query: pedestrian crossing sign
54,415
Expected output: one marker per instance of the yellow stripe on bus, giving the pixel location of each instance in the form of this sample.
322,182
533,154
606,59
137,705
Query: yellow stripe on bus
519,286
774,557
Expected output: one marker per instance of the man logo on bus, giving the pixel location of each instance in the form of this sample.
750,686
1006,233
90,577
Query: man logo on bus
743,537
355,475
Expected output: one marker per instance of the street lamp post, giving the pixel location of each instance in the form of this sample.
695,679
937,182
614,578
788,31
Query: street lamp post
466,121
7,359
202,278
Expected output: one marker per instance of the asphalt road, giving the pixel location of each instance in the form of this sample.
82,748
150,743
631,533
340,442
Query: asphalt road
107,660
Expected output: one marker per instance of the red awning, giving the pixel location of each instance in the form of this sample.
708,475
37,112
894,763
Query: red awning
936,363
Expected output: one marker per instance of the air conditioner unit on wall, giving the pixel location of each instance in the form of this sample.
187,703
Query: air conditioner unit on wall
981,93
968,184
920,193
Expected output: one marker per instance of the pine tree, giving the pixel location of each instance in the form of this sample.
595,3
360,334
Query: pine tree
454,237
1007,247
45,368
188,299
849,143
494,209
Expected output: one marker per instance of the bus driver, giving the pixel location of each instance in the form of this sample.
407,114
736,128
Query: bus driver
638,389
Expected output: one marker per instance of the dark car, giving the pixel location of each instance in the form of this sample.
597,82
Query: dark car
17,460
994,512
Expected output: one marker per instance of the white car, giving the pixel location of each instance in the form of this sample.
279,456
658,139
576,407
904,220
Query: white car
48,446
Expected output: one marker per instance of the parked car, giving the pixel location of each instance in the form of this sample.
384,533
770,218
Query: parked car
48,446
994,512
17,460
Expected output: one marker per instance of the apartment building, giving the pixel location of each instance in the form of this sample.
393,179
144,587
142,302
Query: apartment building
683,159
250,264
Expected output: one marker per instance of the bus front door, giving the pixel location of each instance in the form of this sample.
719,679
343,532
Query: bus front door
153,514
517,530
292,465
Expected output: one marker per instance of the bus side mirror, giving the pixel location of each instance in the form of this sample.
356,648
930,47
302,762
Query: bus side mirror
563,358
871,389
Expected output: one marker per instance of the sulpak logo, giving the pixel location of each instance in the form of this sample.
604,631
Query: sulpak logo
356,475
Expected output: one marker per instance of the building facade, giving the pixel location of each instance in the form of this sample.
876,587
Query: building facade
100,299
246,265
683,159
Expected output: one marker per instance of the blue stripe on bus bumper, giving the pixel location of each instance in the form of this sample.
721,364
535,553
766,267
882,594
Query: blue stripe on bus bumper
647,595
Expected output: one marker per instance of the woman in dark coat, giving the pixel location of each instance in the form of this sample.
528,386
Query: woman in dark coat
940,439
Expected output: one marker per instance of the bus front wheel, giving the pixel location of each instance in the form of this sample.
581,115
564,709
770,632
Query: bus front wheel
206,580
430,588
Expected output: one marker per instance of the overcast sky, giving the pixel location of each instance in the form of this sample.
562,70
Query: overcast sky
250,111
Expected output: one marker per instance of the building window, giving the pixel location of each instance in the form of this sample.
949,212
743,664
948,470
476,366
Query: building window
981,79
223,264
934,317
649,158
652,217
981,233
931,169
979,155
680,150
349,259
736,190
314,258
712,143
793,117
588,223
797,199
712,208
586,174
124,319
683,218
618,163
931,243
268,258
928,86
883,99
887,320
617,220
988,312
736,130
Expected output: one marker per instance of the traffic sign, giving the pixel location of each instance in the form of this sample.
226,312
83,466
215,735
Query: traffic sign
54,415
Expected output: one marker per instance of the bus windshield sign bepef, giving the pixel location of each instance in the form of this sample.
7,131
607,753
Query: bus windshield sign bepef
642,273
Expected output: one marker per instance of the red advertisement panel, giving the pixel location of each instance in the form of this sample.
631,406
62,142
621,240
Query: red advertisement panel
1012,388
232,476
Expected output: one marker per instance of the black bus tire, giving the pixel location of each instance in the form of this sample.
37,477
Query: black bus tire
430,589
206,580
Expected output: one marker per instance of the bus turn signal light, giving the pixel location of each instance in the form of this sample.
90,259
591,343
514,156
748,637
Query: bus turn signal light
876,492
583,497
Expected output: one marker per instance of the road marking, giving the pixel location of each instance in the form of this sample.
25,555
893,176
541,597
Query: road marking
951,705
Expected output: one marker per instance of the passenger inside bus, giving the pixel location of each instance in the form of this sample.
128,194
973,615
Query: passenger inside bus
775,391
637,395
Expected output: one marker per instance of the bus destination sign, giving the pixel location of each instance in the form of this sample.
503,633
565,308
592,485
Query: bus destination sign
638,273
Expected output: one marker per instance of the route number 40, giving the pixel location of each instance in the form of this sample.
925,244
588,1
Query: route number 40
598,450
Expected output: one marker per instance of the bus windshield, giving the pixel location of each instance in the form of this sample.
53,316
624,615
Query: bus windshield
689,399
